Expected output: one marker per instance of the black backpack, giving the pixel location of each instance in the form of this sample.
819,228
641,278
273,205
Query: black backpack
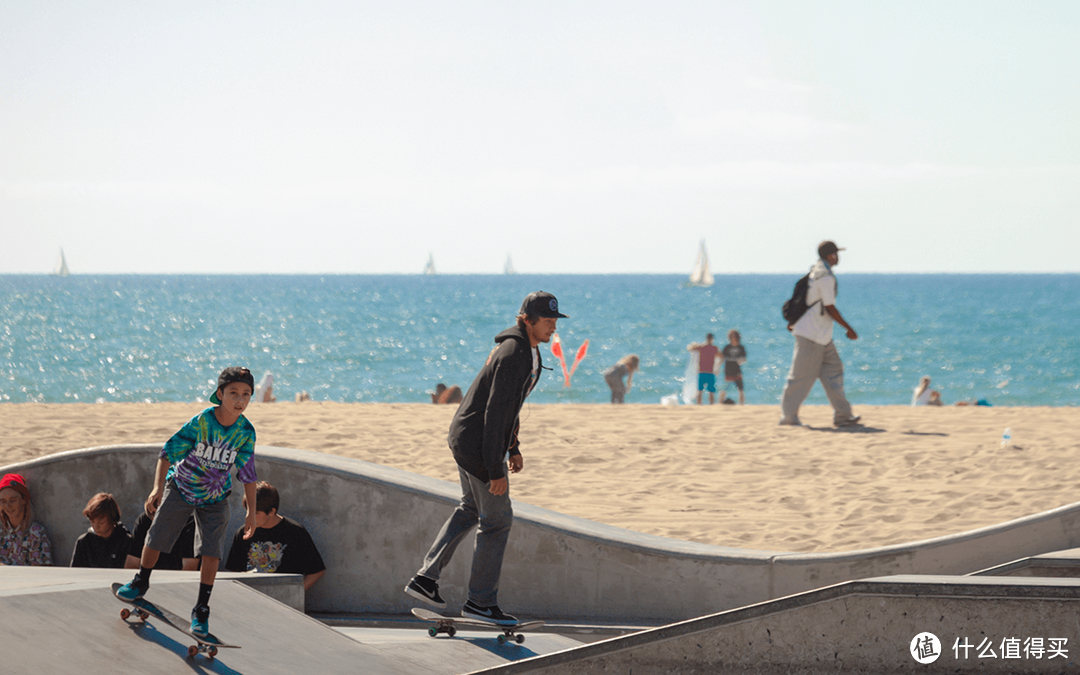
794,308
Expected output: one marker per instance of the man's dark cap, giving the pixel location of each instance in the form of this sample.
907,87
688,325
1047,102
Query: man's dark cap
230,375
827,247
543,305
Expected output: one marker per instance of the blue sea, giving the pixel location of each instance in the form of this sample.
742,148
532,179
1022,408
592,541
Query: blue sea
1010,339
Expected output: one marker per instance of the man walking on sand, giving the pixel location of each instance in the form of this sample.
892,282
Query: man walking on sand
483,437
815,356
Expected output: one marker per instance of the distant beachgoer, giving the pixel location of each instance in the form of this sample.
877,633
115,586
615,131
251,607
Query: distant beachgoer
484,441
107,541
445,395
734,355
815,356
302,397
279,544
264,391
625,367
22,541
981,401
923,394
707,355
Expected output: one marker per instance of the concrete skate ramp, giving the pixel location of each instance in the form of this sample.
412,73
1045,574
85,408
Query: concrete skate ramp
74,625
856,627
67,621
373,525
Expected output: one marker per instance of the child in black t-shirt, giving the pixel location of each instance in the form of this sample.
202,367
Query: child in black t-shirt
106,543
280,544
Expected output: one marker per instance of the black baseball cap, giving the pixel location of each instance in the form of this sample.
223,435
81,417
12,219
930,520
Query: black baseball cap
827,247
541,304
230,375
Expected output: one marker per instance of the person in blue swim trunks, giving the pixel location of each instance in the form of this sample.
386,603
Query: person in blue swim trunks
707,355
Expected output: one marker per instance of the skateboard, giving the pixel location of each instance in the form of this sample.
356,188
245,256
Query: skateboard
144,609
445,624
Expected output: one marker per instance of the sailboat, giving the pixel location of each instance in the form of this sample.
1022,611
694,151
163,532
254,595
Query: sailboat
701,274
508,266
429,268
61,269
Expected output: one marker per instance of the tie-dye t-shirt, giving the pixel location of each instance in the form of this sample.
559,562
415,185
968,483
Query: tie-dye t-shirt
203,453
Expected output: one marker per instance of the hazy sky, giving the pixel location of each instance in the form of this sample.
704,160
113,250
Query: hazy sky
575,136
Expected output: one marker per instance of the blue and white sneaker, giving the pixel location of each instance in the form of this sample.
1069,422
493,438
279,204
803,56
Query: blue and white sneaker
200,621
492,615
133,590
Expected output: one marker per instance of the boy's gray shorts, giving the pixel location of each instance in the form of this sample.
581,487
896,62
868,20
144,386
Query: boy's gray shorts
211,524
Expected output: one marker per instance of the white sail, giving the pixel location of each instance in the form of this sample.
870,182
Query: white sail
61,269
429,268
701,274
508,267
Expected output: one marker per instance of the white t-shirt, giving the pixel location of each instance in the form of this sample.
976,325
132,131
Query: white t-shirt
817,324
920,399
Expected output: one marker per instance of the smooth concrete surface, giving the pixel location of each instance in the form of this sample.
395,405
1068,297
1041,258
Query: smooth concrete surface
856,627
59,621
373,525
469,649
1056,564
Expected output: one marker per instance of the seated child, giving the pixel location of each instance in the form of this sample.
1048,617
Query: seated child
107,541
280,544
22,541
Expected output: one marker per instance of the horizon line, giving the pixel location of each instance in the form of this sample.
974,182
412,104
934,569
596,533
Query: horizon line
525,274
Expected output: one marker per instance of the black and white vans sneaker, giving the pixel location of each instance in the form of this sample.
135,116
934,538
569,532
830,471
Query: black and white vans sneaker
492,615
422,588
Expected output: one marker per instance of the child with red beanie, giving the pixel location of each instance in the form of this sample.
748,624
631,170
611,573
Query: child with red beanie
22,541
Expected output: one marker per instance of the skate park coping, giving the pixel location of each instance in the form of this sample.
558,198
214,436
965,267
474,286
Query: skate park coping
373,524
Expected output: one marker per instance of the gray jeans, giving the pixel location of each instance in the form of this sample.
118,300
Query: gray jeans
809,362
495,516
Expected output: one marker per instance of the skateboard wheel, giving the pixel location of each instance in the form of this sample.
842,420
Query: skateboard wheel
501,639
125,613
143,614
451,631
519,638
212,652
433,631
192,650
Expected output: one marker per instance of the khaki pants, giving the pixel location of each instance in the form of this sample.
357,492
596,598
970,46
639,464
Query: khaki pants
809,362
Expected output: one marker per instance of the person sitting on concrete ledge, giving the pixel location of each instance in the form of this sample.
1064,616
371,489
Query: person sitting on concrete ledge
279,544
181,557
22,541
107,542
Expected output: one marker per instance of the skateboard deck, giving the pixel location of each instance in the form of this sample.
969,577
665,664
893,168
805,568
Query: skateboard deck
144,609
445,624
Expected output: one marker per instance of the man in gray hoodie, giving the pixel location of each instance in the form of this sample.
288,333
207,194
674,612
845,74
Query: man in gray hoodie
483,438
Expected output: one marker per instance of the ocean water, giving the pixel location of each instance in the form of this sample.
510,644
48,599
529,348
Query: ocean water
1011,339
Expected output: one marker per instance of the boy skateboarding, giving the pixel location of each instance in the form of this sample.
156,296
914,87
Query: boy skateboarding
193,477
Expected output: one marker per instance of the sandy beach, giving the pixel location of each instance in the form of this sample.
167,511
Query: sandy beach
722,475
